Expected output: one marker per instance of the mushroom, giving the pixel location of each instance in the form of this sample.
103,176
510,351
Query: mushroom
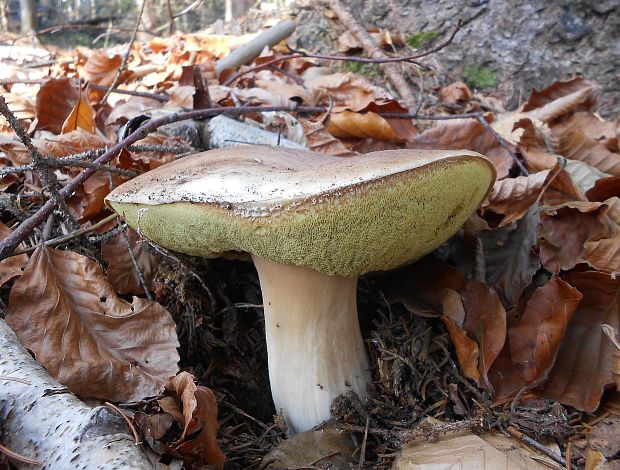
312,223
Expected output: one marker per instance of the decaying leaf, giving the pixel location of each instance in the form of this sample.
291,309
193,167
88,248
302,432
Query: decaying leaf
577,145
321,141
82,116
510,257
583,366
56,99
485,322
198,440
98,345
347,125
535,338
465,134
514,196
121,270
12,267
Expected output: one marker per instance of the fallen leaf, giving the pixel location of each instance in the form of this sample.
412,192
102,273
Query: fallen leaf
467,351
347,125
604,188
321,141
11,267
98,345
583,366
197,444
55,100
485,322
581,94
583,175
348,90
455,93
82,116
467,452
509,256
75,141
535,338
590,124
121,270
575,144
564,231
513,197
465,134
88,200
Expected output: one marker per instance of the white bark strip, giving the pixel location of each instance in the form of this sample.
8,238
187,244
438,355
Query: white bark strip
44,421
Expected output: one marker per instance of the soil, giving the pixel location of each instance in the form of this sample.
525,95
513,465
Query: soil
520,44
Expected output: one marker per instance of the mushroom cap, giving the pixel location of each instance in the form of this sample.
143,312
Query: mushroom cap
345,216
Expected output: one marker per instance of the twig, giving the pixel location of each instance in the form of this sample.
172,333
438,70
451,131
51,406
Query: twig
331,454
92,86
9,243
126,56
48,179
64,162
394,75
137,267
364,60
363,449
243,413
69,237
536,445
18,457
504,144
134,432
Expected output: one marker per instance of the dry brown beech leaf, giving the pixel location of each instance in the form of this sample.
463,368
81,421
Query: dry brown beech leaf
465,134
82,116
121,271
13,266
65,311
510,257
100,68
76,141
348,125
591,125
55,100
198,443
484,322
583,175
535,338
88,200
321,141
581,93
455,93
604,188
583,366
514,196
575,144
461,451
348,89
467,350
564,231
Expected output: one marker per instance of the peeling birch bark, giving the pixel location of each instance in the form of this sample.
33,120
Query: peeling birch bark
223,131
46,422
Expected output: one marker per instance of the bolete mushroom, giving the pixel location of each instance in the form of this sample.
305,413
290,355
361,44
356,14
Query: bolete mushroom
312,224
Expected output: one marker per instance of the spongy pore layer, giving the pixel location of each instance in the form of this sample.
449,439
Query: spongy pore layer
364,225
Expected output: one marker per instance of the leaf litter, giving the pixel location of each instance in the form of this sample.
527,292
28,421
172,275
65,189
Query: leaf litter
501,326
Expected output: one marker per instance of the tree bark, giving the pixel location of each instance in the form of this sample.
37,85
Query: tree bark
28,16
42,420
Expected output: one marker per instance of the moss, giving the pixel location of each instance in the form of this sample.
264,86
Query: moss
376,226
479,77
416,40
360,68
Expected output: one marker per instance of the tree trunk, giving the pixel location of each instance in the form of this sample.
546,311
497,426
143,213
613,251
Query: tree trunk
42,420
28,16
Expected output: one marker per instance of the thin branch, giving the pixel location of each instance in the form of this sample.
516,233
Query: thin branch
126,56
69,237
503,143
137,266
132,428
536,445
18,457
48,179
365,60
92,86
65,162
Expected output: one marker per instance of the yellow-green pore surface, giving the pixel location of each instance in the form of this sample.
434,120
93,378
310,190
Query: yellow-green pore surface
370,226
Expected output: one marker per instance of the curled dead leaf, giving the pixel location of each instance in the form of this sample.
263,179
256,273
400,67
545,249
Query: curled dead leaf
583,366
98,345
347,125
55,100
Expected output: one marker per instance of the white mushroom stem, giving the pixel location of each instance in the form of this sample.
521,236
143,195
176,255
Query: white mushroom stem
315,347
